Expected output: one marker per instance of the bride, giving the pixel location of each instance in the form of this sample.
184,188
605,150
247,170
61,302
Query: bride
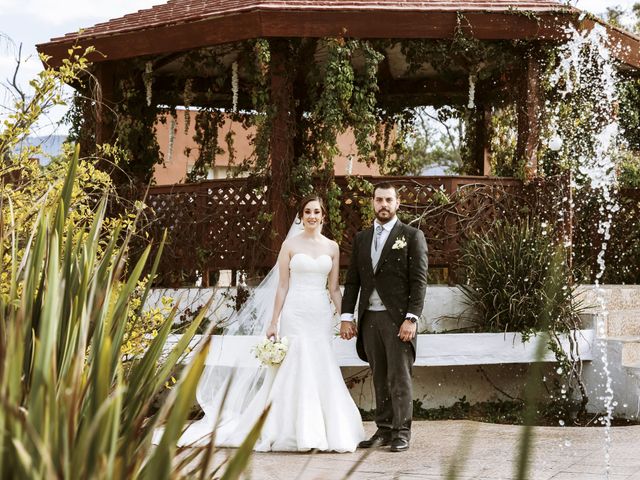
311,407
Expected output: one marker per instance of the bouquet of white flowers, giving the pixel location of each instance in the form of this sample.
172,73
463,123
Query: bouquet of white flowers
271,353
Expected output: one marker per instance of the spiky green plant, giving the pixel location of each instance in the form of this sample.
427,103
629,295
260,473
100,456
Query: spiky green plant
68,407
506,277
512,285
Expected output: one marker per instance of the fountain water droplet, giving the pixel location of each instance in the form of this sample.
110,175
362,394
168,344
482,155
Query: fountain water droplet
555,143
586,72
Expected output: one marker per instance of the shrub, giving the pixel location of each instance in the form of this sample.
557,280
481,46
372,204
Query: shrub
506,278
517,279
69,305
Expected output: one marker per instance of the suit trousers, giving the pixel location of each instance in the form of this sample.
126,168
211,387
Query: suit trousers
391,361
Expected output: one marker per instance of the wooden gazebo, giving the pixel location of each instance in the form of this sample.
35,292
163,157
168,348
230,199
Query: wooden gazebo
163,34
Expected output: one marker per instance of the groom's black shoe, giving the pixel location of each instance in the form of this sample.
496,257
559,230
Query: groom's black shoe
377,440
399,445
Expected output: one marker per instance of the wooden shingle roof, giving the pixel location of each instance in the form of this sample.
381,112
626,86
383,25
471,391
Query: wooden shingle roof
179,11
180,25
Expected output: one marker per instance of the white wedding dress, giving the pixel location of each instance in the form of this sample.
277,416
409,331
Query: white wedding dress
311,407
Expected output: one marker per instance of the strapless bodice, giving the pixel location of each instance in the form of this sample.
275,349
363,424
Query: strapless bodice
309,273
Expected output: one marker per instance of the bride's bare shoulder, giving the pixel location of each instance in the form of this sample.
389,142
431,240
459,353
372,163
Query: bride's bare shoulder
332,245
287,245
290,244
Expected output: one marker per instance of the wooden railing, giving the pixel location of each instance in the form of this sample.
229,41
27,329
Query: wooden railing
224,224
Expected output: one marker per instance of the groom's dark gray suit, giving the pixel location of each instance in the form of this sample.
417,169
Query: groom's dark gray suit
400,278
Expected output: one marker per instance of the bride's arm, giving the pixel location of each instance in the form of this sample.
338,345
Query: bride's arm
281,291
334,280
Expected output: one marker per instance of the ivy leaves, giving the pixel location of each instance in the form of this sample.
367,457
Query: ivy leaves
330,111
347,96
208,123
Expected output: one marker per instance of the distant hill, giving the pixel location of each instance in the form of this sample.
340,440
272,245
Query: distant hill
51,146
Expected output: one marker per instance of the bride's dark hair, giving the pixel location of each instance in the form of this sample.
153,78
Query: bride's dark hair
310,198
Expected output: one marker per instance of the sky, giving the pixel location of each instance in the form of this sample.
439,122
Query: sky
29,22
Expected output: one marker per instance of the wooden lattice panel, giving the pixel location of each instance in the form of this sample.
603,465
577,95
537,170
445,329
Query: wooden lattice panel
224,224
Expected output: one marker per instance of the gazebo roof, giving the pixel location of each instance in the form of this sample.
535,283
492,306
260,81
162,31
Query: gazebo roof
186,11
180,25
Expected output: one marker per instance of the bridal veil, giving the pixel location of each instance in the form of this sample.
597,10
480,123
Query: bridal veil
233,377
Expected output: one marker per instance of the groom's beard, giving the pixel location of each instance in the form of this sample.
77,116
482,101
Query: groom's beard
384,219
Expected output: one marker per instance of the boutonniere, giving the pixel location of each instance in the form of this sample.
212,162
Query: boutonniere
399,243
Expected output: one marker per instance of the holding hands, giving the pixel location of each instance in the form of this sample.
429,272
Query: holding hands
348,330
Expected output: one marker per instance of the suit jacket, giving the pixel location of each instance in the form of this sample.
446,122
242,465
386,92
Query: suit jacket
400,277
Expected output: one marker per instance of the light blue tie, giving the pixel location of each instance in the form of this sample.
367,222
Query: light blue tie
376,243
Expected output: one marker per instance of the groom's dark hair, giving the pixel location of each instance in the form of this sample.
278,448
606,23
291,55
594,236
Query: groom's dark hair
385,186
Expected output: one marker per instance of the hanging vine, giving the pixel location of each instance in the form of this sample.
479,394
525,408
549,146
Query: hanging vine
187,98
336,91
363,118
81,120
136,150
258,76
208,123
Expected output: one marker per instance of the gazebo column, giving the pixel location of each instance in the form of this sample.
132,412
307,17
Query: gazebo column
282,136
106,80
482,150
529,115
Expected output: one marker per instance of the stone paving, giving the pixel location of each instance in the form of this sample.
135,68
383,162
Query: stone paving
473,450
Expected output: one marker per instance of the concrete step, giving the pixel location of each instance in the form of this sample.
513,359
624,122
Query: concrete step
630,349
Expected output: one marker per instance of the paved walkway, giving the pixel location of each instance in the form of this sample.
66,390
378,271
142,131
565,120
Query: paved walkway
475,450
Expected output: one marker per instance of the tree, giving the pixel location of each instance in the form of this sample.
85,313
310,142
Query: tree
434,140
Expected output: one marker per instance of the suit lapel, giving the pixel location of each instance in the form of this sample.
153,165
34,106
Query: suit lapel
395,231
365,248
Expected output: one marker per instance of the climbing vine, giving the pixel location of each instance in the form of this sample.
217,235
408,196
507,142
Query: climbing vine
207,126
133,151
135,131
337,87
342,98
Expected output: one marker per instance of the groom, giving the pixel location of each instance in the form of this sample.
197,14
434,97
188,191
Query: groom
389,270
